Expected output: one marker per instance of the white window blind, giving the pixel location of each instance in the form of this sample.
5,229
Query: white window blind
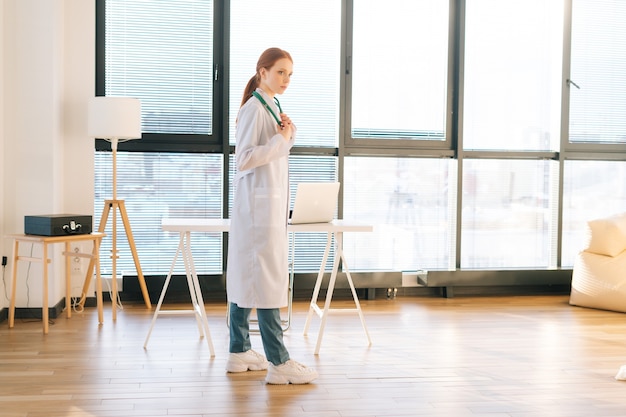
311,33
598,68
509,213
399,69
155,186
162,53
309,247
411,202
513,75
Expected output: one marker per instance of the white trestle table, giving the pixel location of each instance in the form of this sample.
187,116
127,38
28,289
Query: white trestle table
335,229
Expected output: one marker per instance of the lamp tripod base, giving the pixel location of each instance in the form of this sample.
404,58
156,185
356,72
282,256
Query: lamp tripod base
115,205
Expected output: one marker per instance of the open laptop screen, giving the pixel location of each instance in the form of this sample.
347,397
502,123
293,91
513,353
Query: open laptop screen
315,202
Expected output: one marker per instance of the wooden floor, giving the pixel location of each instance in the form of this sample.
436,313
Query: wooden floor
513,356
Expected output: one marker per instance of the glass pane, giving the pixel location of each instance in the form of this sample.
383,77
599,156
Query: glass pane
399,69
311,33
162,53
591,190
153,188
509,214
411,203
512,81
309,248
598,67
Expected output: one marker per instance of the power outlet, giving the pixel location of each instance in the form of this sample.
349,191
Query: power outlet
77,261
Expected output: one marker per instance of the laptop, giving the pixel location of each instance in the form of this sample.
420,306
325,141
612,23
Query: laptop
315,202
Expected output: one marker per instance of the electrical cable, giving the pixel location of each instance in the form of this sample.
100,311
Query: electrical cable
4,282
44,264
118,300
76,306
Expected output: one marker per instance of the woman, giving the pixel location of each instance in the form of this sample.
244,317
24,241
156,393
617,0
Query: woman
257,274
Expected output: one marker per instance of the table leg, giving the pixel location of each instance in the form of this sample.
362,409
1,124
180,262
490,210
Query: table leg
188,262
329,291
199,310
355,297
196,293
318,283
44,304
164,290
292,271
338,259
96,258
13,283
68,282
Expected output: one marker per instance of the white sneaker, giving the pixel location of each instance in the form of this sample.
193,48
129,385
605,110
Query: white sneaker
246,361
290,372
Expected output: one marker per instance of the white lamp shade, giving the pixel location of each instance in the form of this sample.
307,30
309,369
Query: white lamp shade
115,118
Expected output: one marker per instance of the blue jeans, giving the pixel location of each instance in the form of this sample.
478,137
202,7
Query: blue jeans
269,326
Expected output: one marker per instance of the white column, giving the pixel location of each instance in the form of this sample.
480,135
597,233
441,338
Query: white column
47,78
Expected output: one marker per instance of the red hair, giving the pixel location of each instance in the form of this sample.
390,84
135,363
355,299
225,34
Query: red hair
267,60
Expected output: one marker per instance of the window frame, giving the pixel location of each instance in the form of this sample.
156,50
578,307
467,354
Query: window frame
451,147
579,150
396,146
167,142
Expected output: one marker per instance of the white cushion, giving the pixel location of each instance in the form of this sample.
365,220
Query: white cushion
607,236
599,281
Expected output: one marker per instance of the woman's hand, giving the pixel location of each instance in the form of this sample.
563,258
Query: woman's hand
285,128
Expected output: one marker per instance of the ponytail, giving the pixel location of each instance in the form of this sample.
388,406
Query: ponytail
267,60
250,87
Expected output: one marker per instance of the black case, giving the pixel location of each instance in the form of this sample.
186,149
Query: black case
57,224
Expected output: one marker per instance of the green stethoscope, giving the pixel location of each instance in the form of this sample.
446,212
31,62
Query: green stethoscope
267,106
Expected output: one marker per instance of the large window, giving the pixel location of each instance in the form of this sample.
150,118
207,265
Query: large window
512,78
312,99
593,186
598,72
412,203
591,190
162,52
509,210
473,134
511,102
311,33
308,247
399,69
155,186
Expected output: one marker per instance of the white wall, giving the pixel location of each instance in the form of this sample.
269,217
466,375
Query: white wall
3,157
47,59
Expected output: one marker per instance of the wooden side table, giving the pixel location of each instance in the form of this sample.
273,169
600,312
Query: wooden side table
95,237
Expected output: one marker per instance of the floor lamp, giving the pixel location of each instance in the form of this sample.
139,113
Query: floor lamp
116,119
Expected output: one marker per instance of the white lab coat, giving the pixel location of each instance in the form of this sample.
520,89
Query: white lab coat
257,269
